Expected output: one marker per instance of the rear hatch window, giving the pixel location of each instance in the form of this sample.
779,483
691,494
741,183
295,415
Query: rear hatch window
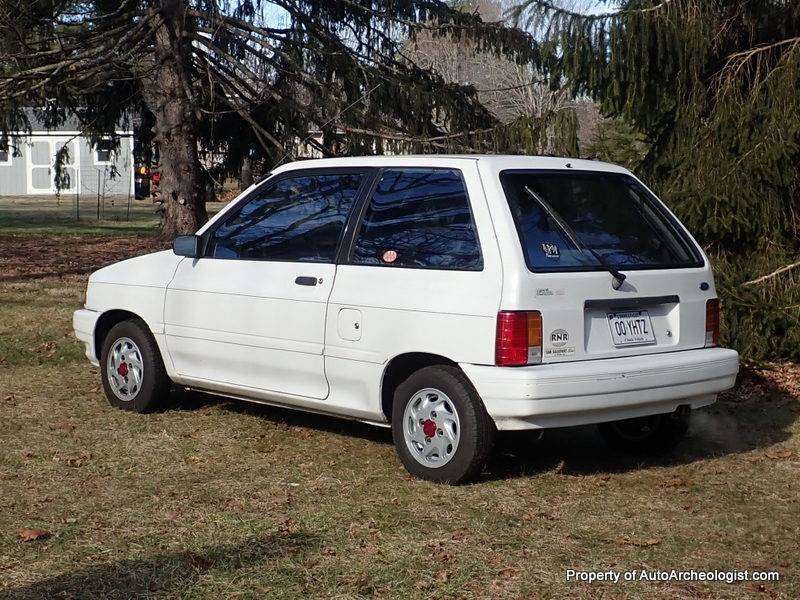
608,214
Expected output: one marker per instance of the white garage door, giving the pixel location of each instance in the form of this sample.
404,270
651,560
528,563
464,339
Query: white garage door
41,165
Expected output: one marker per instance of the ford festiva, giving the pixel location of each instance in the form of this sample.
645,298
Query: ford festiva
445,296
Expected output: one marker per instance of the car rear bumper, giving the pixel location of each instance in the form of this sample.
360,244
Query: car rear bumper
595,391
84,322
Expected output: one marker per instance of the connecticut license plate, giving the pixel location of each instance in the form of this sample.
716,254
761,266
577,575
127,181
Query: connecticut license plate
631,327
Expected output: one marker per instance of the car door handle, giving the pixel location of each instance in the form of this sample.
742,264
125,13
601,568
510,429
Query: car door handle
306,280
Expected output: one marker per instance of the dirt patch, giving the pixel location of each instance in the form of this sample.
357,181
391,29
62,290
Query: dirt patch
27,257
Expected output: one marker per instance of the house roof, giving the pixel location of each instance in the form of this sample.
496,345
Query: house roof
71,122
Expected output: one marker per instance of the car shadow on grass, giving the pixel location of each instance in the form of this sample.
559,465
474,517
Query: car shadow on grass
162,574
757,414
285,417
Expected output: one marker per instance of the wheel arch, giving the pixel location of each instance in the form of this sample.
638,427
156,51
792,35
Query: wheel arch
399,368
104,324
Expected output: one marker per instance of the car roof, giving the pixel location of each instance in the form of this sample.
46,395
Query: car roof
494,162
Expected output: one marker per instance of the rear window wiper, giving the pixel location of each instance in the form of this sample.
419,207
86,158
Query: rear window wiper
619,278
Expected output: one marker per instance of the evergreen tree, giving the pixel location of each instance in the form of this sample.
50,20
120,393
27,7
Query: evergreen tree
243,79
713,86
617,142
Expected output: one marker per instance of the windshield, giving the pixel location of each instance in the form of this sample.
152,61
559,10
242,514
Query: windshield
611,214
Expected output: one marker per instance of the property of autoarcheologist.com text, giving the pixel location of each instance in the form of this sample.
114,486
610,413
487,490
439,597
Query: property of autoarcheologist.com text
669,576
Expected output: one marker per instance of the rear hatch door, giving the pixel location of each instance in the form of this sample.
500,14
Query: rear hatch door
575,229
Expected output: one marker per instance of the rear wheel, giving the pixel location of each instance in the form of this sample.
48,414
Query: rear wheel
133,373
655,434
440,427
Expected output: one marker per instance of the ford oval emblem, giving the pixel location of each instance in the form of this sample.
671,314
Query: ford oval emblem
704,286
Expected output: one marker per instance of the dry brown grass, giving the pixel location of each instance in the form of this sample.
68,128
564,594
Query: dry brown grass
223,499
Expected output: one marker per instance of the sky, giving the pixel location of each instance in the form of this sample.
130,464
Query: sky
276,16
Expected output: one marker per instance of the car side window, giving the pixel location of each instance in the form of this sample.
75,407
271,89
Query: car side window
296,219
419,218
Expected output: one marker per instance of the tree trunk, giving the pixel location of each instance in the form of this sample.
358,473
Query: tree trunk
176,129
246,175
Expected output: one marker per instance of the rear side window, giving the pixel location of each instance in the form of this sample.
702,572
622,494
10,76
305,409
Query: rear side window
298,218
609,213
419,218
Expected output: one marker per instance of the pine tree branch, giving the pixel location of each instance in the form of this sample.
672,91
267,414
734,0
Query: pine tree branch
773,274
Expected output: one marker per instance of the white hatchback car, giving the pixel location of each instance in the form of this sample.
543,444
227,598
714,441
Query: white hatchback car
447,296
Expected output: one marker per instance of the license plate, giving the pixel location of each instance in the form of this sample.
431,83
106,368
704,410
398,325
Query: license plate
632,327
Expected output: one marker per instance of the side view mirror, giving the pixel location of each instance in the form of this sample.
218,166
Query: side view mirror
187,245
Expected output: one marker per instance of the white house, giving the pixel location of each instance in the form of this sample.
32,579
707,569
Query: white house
27,162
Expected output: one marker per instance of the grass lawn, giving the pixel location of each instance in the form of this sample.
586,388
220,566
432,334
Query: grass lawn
54,216
216,498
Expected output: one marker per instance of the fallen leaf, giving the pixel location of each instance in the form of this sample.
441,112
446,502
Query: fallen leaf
289,526
676,482
29,535
439,552
76,460
546,515
199,563
628,541
779,454
359,580
760,588
46,348
510,572
64,426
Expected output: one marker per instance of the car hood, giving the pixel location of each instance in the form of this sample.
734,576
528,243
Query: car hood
151,270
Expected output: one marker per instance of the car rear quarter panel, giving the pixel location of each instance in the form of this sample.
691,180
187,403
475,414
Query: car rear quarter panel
405,310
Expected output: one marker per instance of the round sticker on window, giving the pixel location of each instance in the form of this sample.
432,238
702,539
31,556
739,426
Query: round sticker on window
389,256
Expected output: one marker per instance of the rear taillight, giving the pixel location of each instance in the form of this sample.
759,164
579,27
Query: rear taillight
518,340
712,322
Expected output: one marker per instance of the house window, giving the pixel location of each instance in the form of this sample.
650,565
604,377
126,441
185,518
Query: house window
5,154
104,152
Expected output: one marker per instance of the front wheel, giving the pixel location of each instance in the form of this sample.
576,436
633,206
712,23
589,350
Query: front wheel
440,427
133,373
655,434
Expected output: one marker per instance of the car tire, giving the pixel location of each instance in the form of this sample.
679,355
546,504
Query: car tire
132,370
440,426
652,435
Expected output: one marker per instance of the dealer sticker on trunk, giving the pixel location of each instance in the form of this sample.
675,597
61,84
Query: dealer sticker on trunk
559,338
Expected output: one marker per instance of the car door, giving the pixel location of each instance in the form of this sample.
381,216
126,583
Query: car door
249,316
